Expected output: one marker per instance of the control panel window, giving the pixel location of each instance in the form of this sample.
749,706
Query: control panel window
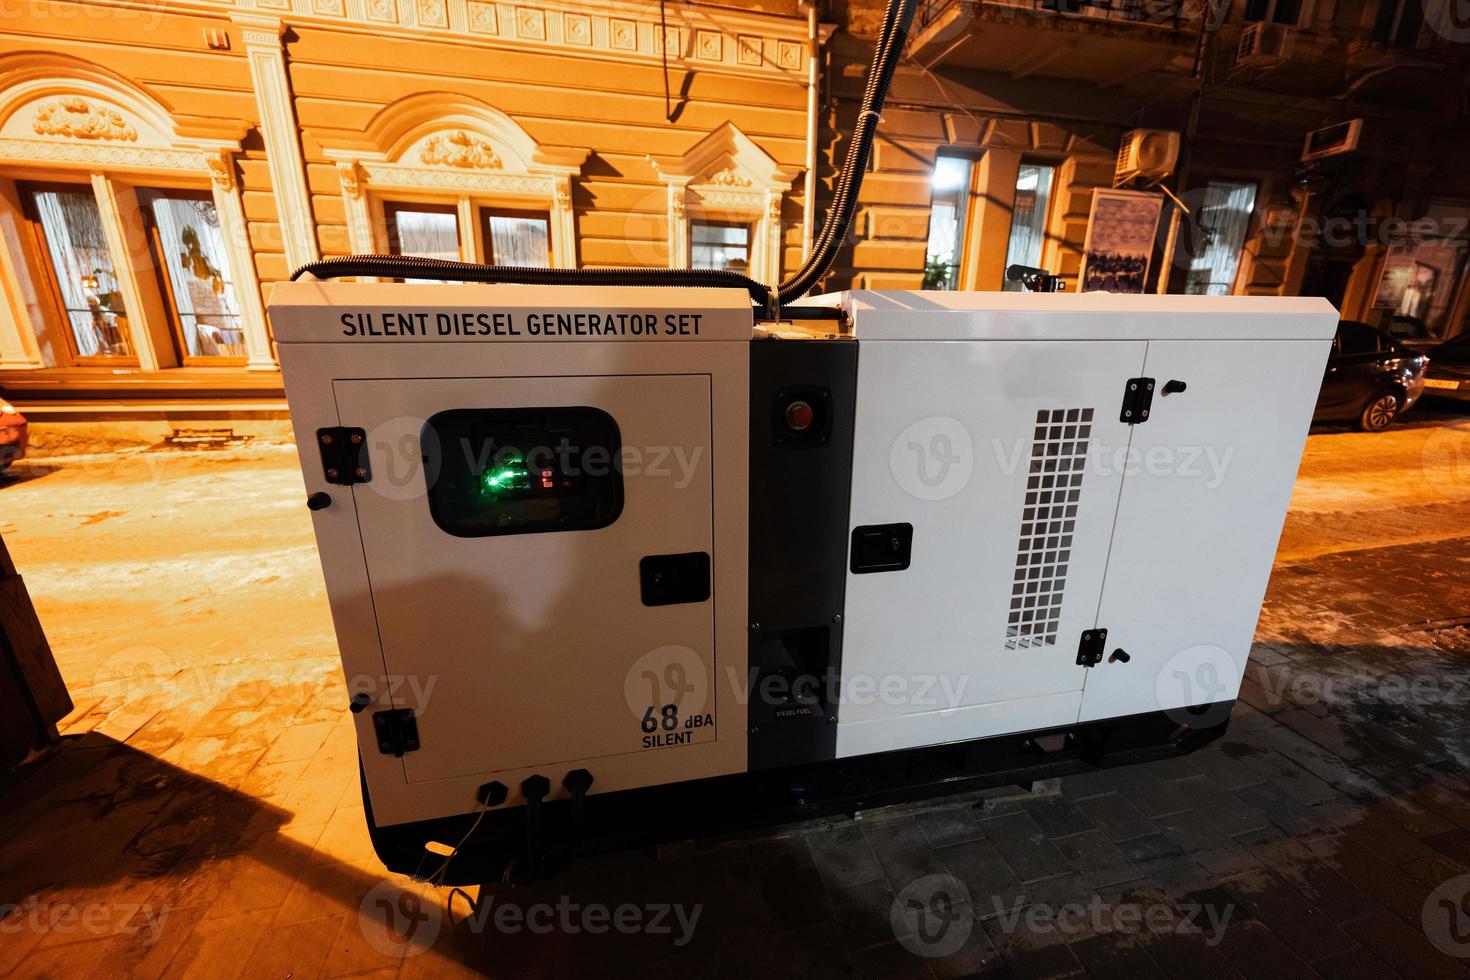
522,470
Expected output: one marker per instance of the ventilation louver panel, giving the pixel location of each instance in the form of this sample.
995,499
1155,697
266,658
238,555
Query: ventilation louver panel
1053,487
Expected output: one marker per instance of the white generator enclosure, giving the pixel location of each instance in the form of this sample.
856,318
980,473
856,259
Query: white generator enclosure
1072,559
607,557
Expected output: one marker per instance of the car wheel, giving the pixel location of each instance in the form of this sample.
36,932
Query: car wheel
1380,411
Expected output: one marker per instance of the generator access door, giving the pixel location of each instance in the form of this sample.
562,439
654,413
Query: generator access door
529,542
992,464
1208,480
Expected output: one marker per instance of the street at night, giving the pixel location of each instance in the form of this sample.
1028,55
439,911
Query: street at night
851,489
209,774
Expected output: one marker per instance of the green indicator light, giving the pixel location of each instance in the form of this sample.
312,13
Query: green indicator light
511,475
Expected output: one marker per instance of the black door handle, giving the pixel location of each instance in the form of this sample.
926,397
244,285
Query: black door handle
1174,387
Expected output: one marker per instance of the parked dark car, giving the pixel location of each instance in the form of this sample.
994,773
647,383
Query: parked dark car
1371,378
1449,369
14,433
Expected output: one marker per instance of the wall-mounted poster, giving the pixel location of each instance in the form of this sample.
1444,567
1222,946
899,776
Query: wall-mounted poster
1120,240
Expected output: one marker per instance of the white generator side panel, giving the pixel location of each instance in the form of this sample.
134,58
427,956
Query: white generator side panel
1177,523
528,653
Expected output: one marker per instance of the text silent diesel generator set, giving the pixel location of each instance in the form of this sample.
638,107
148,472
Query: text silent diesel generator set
632,554
583,542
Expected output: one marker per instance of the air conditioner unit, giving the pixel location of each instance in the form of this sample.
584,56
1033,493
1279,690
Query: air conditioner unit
1331,141
1148,153
1263,45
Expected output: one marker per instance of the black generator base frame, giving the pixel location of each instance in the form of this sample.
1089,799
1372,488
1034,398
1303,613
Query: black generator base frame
749,801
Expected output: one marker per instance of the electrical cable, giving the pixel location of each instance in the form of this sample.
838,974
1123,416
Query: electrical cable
420,267
898,16
891,41
436,878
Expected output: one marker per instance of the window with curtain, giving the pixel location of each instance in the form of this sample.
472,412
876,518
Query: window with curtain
1399,22
1223,218
430,231
1275,11
517,238
719,245
949,206
82,270
190,250
1028,219
1417,286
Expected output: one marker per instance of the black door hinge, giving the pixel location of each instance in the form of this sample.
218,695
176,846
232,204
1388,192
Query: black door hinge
1138,397
1090,650
397,731
344,455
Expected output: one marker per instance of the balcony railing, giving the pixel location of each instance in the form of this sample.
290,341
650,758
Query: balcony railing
1160,13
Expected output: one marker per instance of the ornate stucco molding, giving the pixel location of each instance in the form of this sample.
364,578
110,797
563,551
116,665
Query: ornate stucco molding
720,40
221,170
459,149
74,116
103,155
729,177
726,177
387,175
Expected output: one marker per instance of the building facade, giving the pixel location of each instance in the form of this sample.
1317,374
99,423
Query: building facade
164,162
1319,147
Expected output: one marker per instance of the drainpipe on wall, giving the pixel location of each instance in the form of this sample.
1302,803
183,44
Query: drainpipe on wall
1181,179
813,81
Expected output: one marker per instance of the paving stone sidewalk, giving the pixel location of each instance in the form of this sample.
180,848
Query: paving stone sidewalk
204,818
1306,842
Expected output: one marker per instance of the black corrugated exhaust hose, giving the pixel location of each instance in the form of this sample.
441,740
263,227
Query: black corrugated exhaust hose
886,54
577,782
418,267
534,789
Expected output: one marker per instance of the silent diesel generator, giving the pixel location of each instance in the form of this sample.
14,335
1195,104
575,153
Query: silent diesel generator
589,543
633,554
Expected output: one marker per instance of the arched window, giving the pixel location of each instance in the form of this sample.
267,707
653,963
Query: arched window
451,178
132,244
